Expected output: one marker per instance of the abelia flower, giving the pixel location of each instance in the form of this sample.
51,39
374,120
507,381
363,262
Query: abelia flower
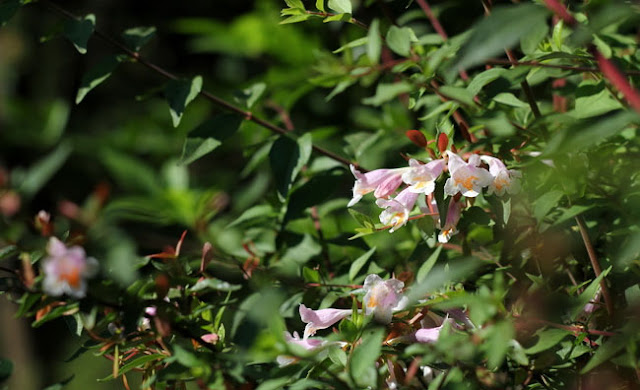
306,343
503,178
66,269
383,297
453,216
320,319
466,178
421,178
382,182
396,211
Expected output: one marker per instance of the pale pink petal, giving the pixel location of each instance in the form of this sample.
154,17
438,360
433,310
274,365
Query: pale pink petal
320,319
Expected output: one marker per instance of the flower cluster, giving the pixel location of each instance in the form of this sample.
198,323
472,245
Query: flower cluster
465,179
381,300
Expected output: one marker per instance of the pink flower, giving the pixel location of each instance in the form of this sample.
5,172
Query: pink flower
320,319
396,211
66,269
453,216
383,297
382,182
422,177
306,343
466,178
503,178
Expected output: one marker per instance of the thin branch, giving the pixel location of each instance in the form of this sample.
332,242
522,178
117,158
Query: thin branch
526,88
207,95
498,61
329,14
594,263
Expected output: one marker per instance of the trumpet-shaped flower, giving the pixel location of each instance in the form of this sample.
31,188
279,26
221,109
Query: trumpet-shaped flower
421,178
383,297
453,216
503,179
382,182
306,343
66,269
396,211
320,319
466,178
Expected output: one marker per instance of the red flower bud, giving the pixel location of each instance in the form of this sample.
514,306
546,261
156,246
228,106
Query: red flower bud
417,138
443,142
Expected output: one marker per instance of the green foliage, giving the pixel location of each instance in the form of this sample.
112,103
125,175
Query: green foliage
210,235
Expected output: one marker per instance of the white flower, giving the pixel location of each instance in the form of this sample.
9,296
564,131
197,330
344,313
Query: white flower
422,177
466,178
503,179
66,269
383,297
396,211
382,182
320,319
453,216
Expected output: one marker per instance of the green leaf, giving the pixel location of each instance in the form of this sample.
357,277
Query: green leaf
399,40
179,94
606,351
386,92
249,96
458,94
498,343
130,173
60,385
213,284
588,294
484,78
96,75
595,104
135,363
440,276
502,29
340,6
318,189
295,3
529,42
255,214
547,338
287,158
9,8
374,42
545,203
358,42
509,99
581,136
40,172
208,136
428,264
79,31
320,5
358,263
364,356
296,19
135,38
337,18
6,368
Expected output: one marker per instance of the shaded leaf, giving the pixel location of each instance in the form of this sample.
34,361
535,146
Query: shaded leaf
135,38
40,172
386,92
358,263
79,31
502,29
9,8
606,351
208,136
364,356
399,40
547,338
424,269
179,94
96,75
287,157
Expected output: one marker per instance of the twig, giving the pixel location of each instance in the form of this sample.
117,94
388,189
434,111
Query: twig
207,95
497,61
526,88
354,286
328,14
594,263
